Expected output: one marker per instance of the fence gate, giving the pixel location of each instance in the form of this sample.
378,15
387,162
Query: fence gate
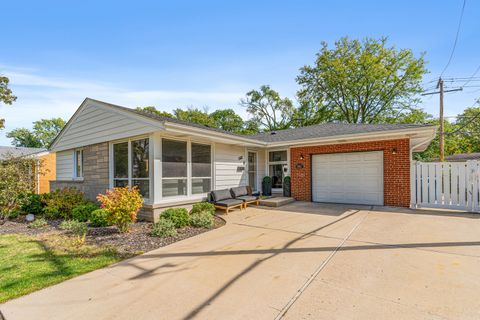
450,185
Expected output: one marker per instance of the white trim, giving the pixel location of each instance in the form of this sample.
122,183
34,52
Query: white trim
283,163
130,178
256,169
75,164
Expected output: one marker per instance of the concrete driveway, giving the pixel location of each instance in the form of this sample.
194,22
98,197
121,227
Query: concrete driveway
301,261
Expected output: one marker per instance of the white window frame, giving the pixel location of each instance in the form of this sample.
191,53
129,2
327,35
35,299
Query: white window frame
76,174
130,174
284,163
256,170
189,177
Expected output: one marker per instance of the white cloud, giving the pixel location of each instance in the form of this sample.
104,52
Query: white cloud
41,96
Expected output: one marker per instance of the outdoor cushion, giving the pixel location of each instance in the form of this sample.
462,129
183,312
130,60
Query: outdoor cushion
229,202
219,195
247,198
239,191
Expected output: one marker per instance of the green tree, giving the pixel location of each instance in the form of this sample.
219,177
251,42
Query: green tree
461,136
194,115
361,81
250,127
268,109
6,95
154,110
227,120
42,135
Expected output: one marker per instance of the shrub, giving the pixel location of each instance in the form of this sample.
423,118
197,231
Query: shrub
164,228
99,218
203,206
38,223
82,212
32,203
11,214
122,205
203,219
62,201
51,212
179,216
16,179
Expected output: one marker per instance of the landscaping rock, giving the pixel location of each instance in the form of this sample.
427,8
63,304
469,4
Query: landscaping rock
29,217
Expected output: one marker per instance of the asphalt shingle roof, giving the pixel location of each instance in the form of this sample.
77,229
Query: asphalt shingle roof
328,130
7,152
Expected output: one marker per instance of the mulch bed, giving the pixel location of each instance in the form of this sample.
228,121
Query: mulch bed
138,240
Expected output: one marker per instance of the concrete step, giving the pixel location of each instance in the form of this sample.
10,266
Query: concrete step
276,201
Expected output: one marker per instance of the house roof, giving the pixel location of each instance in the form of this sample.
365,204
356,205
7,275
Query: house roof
307,132
8,152
311,134
329,130
463,156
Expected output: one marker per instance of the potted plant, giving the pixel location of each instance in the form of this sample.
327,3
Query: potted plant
267,186
287,187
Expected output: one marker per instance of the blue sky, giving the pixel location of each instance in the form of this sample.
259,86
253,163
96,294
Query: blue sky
207,53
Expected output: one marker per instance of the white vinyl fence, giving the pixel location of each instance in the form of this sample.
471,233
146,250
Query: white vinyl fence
450,185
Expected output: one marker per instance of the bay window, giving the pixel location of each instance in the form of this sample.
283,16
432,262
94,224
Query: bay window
131,165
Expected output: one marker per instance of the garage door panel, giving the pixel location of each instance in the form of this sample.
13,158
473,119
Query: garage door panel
348,178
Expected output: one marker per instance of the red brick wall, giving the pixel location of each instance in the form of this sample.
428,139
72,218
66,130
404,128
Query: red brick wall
396,168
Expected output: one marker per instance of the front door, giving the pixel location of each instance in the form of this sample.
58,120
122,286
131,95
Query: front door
252,170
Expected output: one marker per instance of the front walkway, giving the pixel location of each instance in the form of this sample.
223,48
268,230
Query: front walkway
367,264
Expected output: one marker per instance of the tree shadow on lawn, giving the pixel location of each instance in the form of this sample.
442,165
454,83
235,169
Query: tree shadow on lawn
38,264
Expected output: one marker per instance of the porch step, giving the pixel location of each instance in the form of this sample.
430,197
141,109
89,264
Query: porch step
276,201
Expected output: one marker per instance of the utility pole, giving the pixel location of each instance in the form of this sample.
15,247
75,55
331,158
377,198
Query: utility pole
441,128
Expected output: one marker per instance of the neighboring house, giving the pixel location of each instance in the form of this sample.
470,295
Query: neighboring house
175,162
460,157
45,164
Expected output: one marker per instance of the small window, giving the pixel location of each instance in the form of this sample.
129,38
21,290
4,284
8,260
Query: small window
78,160
277,156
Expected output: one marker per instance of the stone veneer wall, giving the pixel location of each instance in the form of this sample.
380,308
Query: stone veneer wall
95,172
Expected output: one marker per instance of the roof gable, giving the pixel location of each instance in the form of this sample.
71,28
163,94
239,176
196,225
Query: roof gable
96,122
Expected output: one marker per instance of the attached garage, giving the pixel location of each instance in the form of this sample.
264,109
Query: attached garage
353,177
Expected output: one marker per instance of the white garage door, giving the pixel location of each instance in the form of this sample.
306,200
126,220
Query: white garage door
355,177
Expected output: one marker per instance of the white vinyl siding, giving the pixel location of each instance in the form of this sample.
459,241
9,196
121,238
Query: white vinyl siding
230,169
97,123
64,164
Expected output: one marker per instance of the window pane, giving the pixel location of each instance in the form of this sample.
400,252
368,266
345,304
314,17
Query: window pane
140,165
276,172
277,156
201,185
174,187
120,183
201,160
174,158
144,186
79,163
120,160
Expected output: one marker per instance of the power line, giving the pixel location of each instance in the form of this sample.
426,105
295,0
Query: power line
472,77
456,38
468,122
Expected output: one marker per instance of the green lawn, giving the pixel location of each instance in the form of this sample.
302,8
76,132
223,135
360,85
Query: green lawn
28,263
